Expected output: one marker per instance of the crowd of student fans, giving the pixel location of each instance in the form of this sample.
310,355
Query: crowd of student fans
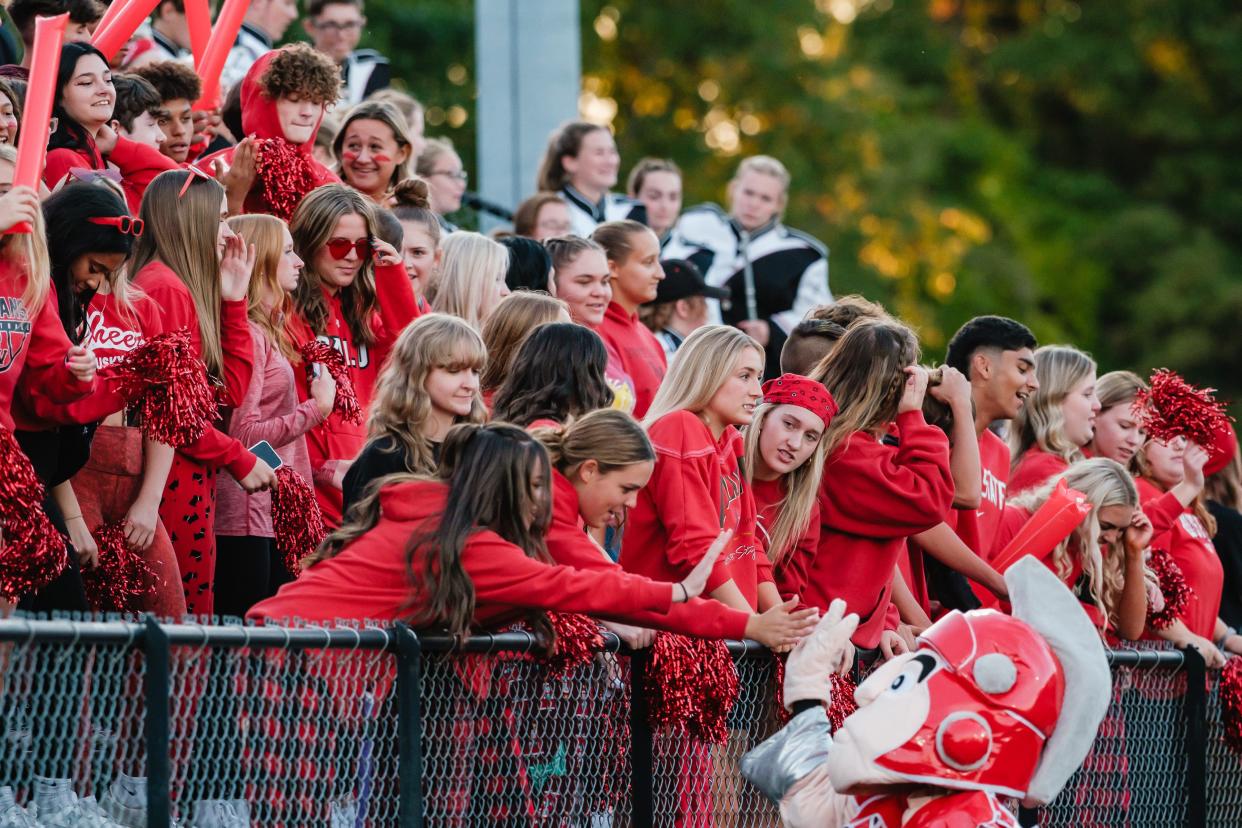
656,417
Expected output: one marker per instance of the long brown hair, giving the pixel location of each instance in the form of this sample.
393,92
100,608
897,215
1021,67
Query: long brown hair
513,321
267,234
312,225
865,373
181,231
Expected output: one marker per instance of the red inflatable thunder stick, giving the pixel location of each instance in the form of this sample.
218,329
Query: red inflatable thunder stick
1051,524
37,117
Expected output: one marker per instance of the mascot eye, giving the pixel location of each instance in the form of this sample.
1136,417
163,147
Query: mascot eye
915,672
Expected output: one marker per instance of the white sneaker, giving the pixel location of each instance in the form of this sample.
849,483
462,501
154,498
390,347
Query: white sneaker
80,813
125,801
13,815
51,795
217,813
344,813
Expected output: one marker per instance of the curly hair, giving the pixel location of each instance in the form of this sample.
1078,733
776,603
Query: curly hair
298,69
173,80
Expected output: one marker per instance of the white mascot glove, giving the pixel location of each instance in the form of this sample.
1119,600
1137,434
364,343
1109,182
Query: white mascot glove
819,655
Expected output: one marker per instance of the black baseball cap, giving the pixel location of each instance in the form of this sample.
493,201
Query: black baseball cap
682,280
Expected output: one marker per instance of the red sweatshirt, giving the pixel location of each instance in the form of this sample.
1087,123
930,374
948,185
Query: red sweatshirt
1035,467
371,579
33,350
640,353
994,458
334,439
570,545
791,573
1191,546
214,449
138,164
696,491
873,497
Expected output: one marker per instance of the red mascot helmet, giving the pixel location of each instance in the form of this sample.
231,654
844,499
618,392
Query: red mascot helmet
995,697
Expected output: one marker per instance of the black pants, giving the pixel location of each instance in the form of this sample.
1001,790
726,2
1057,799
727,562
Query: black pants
248,570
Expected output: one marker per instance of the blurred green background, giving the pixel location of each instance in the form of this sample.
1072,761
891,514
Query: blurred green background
1075,165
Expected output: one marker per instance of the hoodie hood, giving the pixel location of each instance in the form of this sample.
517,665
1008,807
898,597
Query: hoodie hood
259,116
414,501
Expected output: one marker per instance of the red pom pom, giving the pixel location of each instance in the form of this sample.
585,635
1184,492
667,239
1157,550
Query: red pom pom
577,640
691,685
346,404
840,706
167,383
1231,703
1173,587
1174,408
122,580
296,519
286,173
32,552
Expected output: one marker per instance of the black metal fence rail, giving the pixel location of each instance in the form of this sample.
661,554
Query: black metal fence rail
274,726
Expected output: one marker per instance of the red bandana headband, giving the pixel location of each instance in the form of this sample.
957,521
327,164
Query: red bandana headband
793,389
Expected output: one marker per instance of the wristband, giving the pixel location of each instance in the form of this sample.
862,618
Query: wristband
685,593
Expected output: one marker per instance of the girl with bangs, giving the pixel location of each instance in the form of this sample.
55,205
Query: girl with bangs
429,384
698,490
1057,421
248,567
886,477
355,296
197,272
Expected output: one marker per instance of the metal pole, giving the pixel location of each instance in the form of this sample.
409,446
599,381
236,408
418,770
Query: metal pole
158,689
1196,739
409,727
642,747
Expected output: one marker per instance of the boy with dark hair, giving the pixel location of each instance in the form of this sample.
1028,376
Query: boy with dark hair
138,110
178,88
819,331
84,15
335,27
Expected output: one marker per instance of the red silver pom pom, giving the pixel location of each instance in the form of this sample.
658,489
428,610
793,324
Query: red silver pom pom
1173,587
577,640
346,404
840,705
123,579
691,685
32,552
1174,408
167,383
1231,703
296,519
287,175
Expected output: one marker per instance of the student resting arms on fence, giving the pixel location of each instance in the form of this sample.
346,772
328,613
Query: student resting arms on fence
698,488
599,464
466,549
875,494
429,384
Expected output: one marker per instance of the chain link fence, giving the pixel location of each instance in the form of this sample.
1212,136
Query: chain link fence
230,726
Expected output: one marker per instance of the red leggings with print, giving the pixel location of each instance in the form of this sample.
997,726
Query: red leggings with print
188,512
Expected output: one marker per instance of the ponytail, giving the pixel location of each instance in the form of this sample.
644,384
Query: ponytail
612,438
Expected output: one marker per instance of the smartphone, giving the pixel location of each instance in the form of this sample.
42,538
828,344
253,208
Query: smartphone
264,451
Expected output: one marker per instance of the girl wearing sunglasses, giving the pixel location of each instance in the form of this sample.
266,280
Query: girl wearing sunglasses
355,296
108,472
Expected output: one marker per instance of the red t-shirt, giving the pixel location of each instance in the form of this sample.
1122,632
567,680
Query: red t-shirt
639,351
1191,547
994,458
1035,467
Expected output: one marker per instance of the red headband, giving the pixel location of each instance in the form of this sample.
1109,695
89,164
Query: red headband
1222,449
793,389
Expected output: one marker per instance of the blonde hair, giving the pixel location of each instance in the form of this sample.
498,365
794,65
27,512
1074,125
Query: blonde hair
866,374
401,406
1105,483
472,265
801,489
699,367
387,114
612,438
181,231
765,165
33,257
1040,422
1118,388
312,225
433,150
267,234
515,319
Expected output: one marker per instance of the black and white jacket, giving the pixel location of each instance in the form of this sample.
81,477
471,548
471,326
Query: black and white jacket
363,72
584,216
790,270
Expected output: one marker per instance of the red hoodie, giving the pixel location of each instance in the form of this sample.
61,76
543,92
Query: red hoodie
873,497
791,574
32,349
259,120
371,578
334,438
696,491
1191,547
639,352
138,164
1035,467
570,545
